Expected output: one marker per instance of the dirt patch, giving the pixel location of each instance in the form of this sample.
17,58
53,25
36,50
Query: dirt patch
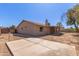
3,48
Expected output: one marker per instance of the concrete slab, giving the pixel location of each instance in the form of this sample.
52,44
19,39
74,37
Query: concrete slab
55,45
34,50
35,40
18,44
58,48
40,47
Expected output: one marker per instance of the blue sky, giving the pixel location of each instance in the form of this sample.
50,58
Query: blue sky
15,13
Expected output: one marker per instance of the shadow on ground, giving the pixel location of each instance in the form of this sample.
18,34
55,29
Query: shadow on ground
58,34
22,35
29,36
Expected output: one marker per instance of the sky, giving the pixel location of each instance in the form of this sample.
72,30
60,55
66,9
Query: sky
14,13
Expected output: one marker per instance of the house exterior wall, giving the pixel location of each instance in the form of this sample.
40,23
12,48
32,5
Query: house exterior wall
29,28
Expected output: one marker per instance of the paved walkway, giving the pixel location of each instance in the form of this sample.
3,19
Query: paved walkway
40,47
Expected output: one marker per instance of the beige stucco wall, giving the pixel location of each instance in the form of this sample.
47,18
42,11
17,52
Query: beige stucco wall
29,28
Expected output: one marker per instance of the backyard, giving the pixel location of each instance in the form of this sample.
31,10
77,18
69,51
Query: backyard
67,38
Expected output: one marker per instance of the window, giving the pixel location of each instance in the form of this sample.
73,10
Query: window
41,29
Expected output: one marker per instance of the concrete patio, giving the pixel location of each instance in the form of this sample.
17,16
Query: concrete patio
40,47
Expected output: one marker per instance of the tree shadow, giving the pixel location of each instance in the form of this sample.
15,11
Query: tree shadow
58,34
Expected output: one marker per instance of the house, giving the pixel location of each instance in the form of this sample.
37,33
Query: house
28,27
6,30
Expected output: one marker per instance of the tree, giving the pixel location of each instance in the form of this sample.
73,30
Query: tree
12,27
59,24
73,17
